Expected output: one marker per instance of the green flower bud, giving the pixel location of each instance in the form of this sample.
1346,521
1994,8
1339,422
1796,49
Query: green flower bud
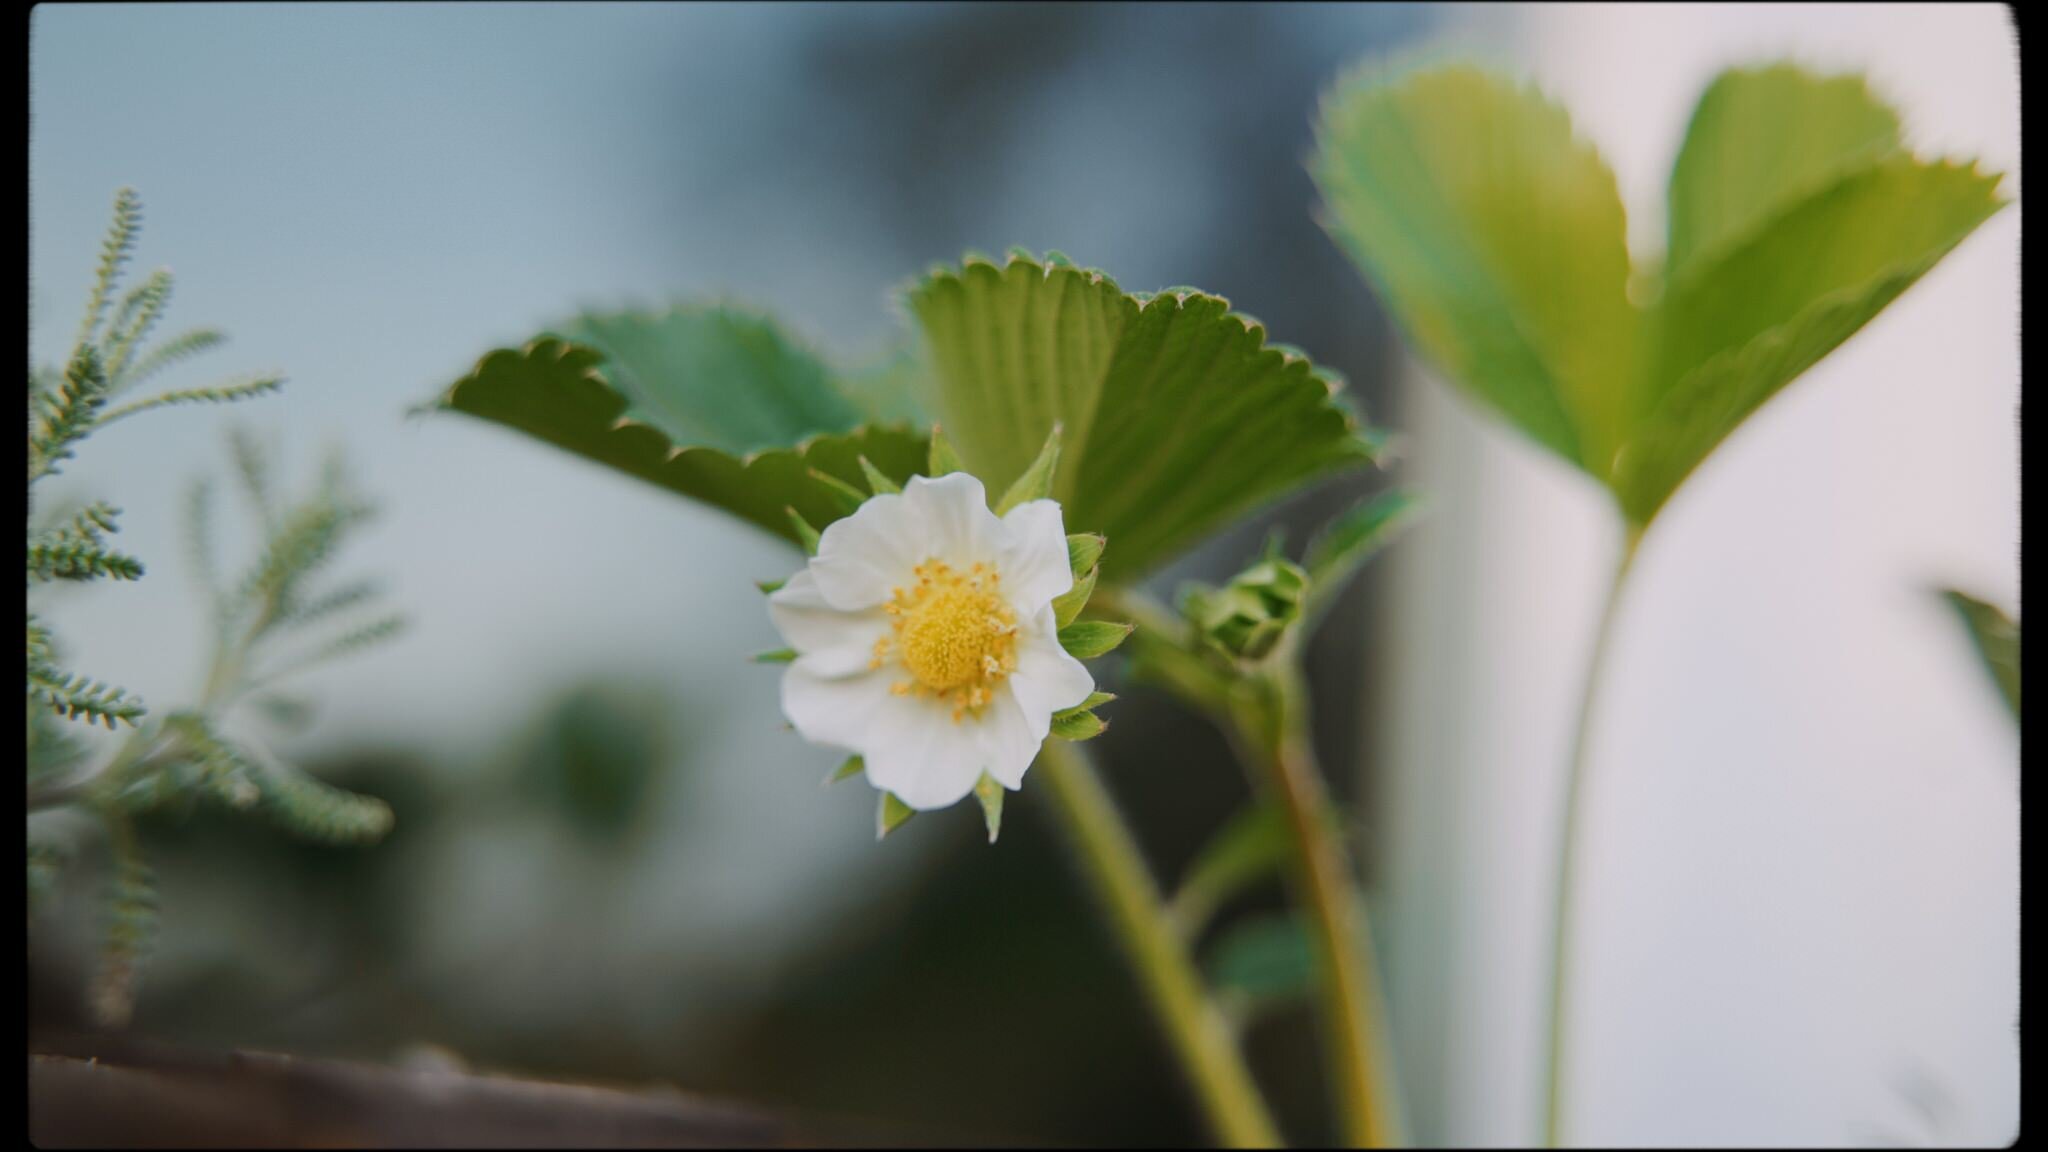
1248,616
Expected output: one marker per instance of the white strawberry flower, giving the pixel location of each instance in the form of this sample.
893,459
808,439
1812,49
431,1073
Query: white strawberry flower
926,639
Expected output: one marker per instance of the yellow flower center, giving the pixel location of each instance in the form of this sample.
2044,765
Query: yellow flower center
954,633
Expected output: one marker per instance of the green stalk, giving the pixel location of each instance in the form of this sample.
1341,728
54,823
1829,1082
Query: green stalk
1274,734
1266,714
1116,871
1568,838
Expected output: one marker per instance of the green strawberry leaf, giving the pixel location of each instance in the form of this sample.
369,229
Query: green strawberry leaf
1176,414
1496,237
1735,330
1762,140
554,391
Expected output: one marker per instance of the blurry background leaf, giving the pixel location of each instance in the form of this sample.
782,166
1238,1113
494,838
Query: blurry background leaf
592,756
1498,239
1251,848
1264,959
1997,637
554,391
1177,415
1760,141
1735,329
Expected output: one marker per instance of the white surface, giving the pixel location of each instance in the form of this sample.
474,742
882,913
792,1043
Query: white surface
1801,866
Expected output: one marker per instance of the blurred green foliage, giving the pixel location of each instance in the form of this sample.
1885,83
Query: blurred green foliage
593,758
1996,638
1497,237
178,759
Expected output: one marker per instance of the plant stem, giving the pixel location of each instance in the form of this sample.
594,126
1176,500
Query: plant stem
1266,715
1274,734
1568,838
1197,1029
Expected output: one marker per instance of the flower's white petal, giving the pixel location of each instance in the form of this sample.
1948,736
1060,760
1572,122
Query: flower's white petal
916,751
864,557
829,642
1033,555
1007,740
832,710
837,663
954,508
1046,679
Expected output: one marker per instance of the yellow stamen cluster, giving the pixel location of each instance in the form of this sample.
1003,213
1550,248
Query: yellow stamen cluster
954,633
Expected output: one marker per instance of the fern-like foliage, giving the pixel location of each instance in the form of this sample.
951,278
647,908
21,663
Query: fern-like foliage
76,697
275,620
279,618
183,346
59,418
217,394
78,549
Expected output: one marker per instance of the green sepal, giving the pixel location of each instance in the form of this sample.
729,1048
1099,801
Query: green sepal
769,587
1084,551
1080,722
775,656
1087,639
1068,605
890,814
1036,482
944,459
990,793
1077,724
854,766
846,496
878,481
805,534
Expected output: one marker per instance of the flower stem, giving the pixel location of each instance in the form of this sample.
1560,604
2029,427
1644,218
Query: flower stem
1275,736
1568,838
1197,1029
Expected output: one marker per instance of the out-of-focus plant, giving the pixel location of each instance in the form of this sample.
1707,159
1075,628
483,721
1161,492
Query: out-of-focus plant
941,635
1996,638
268,624
1496,238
